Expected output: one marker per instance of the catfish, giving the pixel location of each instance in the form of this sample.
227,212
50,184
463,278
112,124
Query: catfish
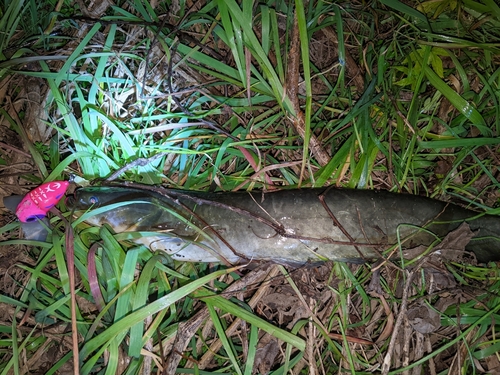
290,227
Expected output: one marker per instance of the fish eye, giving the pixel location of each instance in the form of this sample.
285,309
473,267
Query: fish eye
93,200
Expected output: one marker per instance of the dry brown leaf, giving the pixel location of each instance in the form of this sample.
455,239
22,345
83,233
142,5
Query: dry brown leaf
423,318
456,240
389,326
265,356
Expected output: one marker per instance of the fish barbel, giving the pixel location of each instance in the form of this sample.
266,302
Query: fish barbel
293,227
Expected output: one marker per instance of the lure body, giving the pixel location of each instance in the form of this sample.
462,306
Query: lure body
39,201
289,227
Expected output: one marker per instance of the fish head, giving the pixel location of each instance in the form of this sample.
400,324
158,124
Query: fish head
87,198
123,209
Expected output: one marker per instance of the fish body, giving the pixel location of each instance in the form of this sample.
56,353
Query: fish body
289,226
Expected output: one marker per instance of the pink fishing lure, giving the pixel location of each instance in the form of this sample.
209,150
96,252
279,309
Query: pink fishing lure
39,201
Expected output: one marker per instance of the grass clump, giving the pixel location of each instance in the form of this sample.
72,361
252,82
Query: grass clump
229,95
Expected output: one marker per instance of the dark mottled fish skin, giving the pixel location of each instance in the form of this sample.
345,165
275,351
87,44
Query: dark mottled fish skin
288,226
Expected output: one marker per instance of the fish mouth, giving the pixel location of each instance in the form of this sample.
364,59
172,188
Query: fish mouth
70,202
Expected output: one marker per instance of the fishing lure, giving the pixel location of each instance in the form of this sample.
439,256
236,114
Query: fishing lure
39,201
